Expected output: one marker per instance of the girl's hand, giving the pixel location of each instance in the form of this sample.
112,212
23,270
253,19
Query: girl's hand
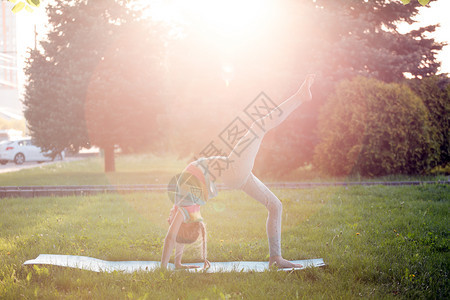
172,214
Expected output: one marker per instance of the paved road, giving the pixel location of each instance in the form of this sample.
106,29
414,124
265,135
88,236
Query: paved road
12,167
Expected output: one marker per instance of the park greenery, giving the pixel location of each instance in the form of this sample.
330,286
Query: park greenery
108,75
28,5
372,128
377,242
146,169
435,93
88,106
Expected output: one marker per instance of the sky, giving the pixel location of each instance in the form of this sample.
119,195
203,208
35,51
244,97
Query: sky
436,12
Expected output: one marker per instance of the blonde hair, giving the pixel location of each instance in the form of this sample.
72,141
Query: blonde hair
188,234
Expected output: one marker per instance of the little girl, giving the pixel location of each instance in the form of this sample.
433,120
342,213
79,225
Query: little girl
194,187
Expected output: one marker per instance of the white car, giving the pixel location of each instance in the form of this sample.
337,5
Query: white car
23,150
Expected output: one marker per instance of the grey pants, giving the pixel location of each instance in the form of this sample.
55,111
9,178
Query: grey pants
238,174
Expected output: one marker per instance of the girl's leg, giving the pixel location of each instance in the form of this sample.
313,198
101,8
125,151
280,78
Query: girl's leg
242,163
259,191
282,111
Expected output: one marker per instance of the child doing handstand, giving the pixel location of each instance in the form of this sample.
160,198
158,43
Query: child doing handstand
194,187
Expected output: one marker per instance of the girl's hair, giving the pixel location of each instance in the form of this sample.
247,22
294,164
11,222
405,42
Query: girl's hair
189,232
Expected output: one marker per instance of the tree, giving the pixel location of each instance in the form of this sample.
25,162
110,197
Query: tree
373,129
435,93
122,106
338,39
96,79
30,4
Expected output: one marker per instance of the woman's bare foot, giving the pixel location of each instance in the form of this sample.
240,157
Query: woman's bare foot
305,90
282,263
180,266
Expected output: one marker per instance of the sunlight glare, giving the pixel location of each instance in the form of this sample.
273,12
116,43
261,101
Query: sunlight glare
229,25
224,17
229,16
227,73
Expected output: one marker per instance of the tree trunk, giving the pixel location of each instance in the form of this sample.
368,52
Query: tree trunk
110,165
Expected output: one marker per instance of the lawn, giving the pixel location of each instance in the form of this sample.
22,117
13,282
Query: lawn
377,242
130,169
150,169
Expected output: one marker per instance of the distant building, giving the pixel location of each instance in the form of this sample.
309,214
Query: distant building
10,106
10,135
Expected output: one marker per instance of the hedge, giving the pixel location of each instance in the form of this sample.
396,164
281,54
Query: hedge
372,128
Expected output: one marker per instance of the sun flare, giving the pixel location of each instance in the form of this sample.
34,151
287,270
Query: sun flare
222,17
229,16
228,25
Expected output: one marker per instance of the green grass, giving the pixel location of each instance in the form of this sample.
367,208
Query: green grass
378,242
139,169
150,169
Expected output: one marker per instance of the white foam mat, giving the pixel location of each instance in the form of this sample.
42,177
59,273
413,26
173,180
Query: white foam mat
98,265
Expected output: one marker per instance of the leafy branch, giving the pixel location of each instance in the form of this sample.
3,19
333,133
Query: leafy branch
28,5
423,2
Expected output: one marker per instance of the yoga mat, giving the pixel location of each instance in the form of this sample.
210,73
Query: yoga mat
98,265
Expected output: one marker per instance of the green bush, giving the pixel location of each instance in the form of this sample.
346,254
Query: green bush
435,94
371,128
